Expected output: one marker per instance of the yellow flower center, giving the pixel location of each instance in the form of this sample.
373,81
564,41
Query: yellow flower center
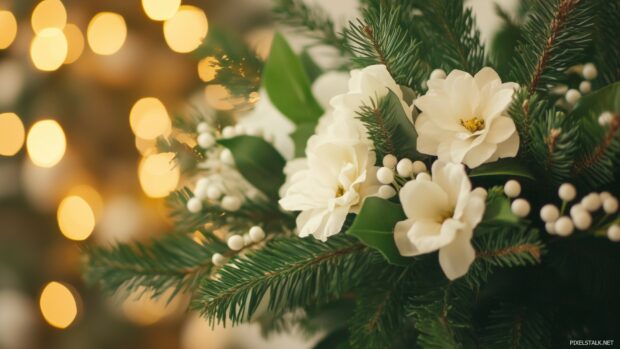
472,125
339,191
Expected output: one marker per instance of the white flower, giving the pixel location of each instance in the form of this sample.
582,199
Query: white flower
441,215
340,174
463,119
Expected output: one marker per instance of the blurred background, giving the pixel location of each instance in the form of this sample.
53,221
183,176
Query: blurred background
85,89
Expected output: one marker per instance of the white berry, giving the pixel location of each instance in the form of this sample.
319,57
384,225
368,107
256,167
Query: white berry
218,259
567,192
235,242
257,233
231,203
247,240
582,220
240,129
194,205
385,175
389,161
404,167
564,226
605,118
520,207
438,74
613,232
200,191
226,157
419,167
610,205
512,188
576,209
591,202
549,213
228,132
480,192
550,227
589,71
605,195
423,176
572,96
585,87
205,140
214,192
202,127
386,192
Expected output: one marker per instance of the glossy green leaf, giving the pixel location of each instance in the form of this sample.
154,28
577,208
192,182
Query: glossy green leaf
498,208
374,226
300,138
258,161
288,85
505,167
601,100
310,67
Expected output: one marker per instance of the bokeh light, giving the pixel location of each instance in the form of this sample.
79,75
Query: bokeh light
8,29
49,14
143,310
46,143
149,118
160,10
49,48
106,33
218,97
12,134
58,305
76,42
207,68
158,174
76,218
186,30
90,195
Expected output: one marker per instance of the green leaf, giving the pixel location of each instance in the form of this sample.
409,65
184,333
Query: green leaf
601,100
300,138
310,66
258,161
506,167
374,226
288,85
498,208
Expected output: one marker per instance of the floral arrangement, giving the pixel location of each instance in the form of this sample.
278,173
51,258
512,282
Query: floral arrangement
421,193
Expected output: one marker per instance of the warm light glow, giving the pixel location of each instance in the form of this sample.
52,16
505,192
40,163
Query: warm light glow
76,219
158,174
106,33
149,118
12,134
143,310
49,49
146,146
76,42
58,305
8,29
46,143
49,14
91,196
186,30
207,68
218,97
160,10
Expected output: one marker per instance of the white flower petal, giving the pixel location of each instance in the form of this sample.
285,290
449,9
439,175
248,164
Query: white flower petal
329,85
456,258
509,148
404,245
479,154
428,236
497,104
453,179
473,211
423,200
486,75
464,97
500,129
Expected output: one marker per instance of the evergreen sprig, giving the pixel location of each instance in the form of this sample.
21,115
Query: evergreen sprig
555,37
599,155
379,38
517,327
175,261
287,273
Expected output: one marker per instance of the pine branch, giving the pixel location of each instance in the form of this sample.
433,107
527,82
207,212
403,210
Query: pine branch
289,272
380,39
606,48
312,20
555,38
389,128
516,327
597,164
174,262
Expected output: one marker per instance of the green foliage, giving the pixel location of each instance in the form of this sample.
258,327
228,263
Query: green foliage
606,48
175,262
374,226
300,137
379,38
258,161
312,20
287,273
555,37
504,43
389,128
287,84
509,167
498,208
517,327
310,67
